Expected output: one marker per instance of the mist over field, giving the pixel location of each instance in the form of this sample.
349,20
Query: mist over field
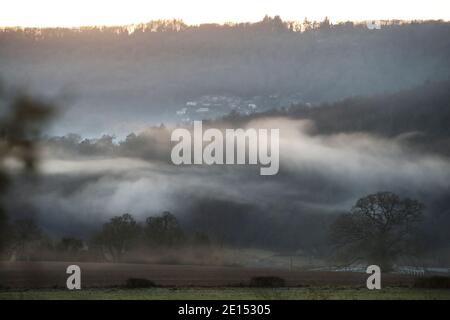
320,176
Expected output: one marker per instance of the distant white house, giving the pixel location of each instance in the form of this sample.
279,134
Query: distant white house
202,110
182,111
191,103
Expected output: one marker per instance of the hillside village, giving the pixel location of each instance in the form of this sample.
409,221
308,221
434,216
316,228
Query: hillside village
214,106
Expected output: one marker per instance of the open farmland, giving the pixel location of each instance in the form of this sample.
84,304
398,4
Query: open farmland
102,275
317,293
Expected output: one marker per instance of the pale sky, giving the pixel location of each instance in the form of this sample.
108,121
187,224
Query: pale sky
70,13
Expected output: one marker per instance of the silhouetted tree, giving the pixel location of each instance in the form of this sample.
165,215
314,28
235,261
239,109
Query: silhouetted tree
163,230
26,236
118,235
307,25
378,229
325,24
70,244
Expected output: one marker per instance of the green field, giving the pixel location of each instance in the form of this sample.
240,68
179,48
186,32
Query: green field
228,293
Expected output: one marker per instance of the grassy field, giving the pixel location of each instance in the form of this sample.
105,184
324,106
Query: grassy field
229,293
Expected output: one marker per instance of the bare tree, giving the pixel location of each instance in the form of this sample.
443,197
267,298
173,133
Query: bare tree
26,237
118,235
163,230
70,244
379,229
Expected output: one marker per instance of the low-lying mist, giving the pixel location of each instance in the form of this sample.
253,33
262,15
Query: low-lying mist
83,183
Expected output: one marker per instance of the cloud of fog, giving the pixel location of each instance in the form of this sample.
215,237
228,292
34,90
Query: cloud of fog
81,188
358,159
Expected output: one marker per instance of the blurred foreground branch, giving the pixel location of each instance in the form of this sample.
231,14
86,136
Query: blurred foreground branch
22,120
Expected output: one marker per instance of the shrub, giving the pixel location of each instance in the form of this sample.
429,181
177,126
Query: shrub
434,282
267,281
134,283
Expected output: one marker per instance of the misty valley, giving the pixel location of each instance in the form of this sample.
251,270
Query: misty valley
264,155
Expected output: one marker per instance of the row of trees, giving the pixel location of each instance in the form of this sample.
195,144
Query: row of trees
123,233
176,25
23,237
25,240
379,229
118,236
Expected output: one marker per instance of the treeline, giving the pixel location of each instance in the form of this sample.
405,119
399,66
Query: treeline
151,144
123,233
178,25
25,240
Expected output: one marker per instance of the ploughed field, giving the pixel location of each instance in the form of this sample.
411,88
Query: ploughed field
227,293
41,275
